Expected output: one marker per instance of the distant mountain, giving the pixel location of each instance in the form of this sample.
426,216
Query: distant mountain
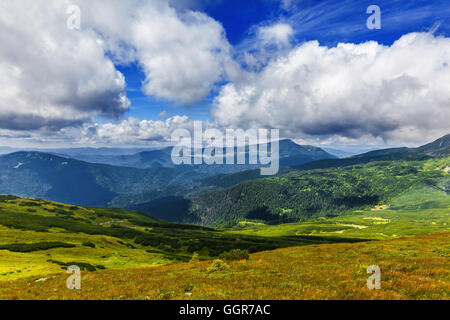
290,154
296,192
41,175
346,152
82,152
436,149
93,155
219,176
142,160
146,201
57,178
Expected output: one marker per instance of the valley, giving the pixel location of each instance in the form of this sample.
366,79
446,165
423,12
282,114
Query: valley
308,233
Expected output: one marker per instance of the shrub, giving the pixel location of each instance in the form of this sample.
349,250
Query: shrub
37,246
218,266
29,204
188,287
194,257
88,244
82,265
236,254
5,198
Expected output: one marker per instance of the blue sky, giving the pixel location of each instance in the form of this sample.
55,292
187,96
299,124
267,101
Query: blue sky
330,22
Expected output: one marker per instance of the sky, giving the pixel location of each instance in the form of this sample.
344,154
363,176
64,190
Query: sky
129,73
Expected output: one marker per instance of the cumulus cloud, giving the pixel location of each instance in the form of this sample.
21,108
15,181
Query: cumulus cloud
182,53
57,81
50,76
134,131
399,92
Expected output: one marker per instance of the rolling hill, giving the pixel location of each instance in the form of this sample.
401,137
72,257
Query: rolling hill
411,268
40,237
324,254
128,255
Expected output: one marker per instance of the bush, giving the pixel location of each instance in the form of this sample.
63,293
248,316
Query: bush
5,198
82,265
29,204
236,254
88,244
188,287
37,246
218,266
194,258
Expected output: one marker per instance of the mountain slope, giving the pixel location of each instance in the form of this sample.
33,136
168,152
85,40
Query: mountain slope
41,237
33,174
175,199
412,268
301,194
48,176
438,148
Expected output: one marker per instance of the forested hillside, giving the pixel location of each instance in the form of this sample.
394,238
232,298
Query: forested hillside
300,194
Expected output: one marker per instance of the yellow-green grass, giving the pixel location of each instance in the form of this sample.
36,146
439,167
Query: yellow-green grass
411,268
108,252
418,211
294,273
105,238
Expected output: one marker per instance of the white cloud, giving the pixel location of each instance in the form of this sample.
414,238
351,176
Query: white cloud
183,54
50,76
53,78
398,93
133,131
278,34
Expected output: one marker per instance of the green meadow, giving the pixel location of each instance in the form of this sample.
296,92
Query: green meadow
40,239
420,211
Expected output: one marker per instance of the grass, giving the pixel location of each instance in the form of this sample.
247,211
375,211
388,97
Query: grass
138,257
411,268
35,233
419,211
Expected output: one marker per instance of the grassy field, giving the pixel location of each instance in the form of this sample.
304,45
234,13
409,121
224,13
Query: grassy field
39,237
411,268
129,255
419,211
